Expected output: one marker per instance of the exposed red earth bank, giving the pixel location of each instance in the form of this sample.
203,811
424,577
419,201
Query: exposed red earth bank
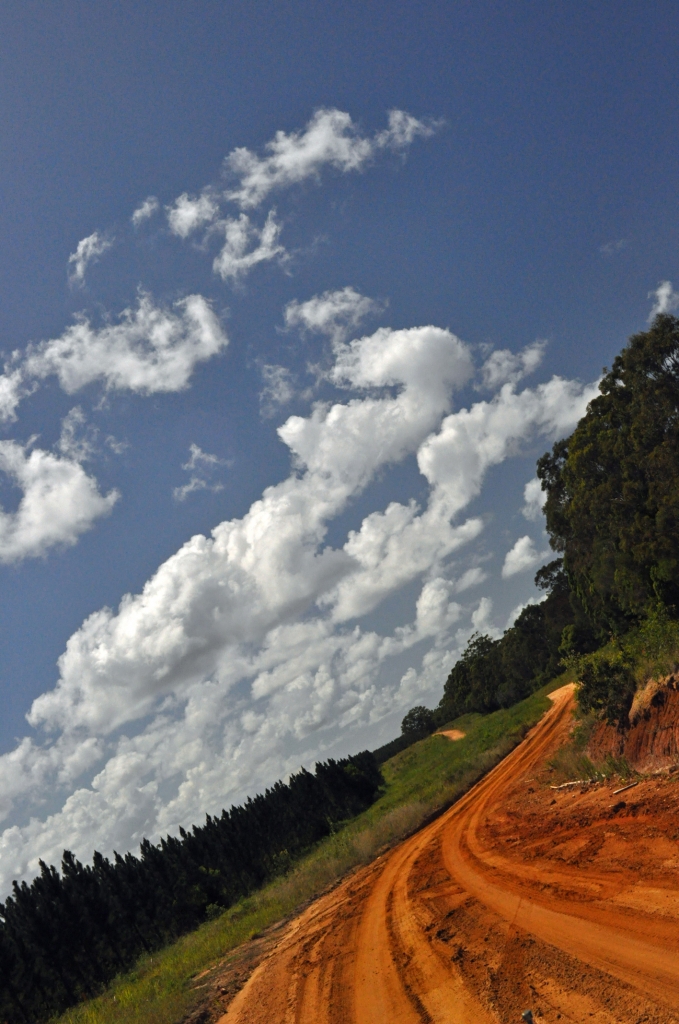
520,896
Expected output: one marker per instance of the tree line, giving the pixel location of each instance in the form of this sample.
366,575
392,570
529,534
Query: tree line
612,515
69,932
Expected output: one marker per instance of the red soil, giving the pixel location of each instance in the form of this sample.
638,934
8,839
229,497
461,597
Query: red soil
652,739
565,901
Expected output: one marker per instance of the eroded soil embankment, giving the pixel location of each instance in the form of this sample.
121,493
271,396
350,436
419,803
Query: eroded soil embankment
520,895
651,739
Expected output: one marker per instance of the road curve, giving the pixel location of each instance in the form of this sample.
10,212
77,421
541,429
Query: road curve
464,922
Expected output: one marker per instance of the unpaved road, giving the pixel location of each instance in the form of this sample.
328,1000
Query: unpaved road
452,734
519,896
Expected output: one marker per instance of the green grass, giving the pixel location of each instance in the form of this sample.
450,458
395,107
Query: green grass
425,778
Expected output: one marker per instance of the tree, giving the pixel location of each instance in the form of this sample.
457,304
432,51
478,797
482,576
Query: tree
418,723
612,488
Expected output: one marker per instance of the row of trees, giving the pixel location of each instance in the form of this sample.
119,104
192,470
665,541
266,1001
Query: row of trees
612,513
64,936
497,673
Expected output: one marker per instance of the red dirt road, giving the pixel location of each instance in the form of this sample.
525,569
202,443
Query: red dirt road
519,896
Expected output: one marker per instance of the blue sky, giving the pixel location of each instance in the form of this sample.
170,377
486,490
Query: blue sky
324,280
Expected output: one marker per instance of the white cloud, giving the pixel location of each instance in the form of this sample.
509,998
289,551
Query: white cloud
236,586
196,483
246,245
188,213
403,129
516,611
87,251
481,618
334,313
666,299
614,247
78,438
236,653
534,498
521,557
503,365
391,549
145,210
198,458
13,389
330,139
149,350
472,440
471,578
278,388
59,502
199,461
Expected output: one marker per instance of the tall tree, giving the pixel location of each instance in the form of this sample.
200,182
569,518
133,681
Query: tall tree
612,488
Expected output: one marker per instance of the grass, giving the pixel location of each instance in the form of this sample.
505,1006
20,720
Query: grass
421,780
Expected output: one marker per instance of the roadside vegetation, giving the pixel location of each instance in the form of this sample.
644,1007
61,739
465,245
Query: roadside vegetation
68,933
420,781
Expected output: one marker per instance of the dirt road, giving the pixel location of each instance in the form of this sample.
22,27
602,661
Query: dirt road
520,896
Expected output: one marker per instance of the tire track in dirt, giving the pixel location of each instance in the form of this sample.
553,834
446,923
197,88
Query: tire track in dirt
595,935
460,923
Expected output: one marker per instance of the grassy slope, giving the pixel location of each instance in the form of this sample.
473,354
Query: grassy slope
421,780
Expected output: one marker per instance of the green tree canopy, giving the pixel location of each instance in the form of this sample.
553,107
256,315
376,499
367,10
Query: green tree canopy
418,723
612,487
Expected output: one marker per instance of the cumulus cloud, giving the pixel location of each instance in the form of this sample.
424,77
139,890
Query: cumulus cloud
391,549
472,440
330,138
59,501
145,210
666,299
521,557
188,213
151,349
87,251
503,365
13,389
253,572
534,498
239,654
481,618
471,578
334,313
246,245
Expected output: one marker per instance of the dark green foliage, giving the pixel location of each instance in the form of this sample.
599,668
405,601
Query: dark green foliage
418,723
497,673
607,686
392,748
64,936
612,488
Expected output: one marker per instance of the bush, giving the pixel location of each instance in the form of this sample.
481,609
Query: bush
607,686
418,723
